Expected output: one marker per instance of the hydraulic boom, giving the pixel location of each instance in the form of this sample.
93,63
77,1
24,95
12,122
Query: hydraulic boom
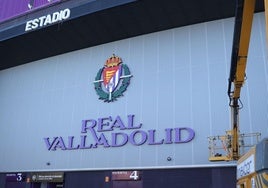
242,31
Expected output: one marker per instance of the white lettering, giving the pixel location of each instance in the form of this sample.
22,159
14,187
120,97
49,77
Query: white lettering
28,26
48,19
65,14
35,23
56,17
42,21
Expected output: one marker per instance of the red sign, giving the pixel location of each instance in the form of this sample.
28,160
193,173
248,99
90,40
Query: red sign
126,175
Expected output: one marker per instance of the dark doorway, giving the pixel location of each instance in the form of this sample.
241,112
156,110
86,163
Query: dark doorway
15,185
46,185
127,184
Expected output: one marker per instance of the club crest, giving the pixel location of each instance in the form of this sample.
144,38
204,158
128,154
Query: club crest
112,80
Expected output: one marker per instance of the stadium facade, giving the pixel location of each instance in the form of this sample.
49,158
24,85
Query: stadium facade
113,93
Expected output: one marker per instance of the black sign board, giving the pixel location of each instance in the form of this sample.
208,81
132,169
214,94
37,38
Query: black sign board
15,177
47,177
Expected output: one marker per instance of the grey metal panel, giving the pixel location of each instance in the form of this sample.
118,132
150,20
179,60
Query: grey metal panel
261,158
179,80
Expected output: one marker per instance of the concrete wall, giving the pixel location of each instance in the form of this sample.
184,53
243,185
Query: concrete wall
179,80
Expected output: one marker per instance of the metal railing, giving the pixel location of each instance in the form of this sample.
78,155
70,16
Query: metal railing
220,146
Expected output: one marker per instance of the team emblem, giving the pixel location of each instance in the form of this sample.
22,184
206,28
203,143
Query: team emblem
112,80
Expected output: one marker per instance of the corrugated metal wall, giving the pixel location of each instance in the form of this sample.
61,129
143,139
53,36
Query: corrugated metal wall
179,80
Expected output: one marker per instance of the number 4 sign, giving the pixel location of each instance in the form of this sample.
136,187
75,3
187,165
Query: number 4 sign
134,175
126,175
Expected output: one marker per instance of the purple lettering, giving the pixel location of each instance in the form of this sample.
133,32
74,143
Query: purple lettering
93,131
115,139
142,138
83,143
168,139
101,141
98,140
70,143
131,123
48,144
182,133
59,144
118,123
102,123
85,127
151,137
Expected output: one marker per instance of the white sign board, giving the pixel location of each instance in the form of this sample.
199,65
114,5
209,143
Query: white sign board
246,167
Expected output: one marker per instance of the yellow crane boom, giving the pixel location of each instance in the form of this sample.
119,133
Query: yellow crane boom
242,31
241,38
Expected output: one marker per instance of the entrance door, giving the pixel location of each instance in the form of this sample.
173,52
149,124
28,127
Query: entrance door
127,184
46,185
15,185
